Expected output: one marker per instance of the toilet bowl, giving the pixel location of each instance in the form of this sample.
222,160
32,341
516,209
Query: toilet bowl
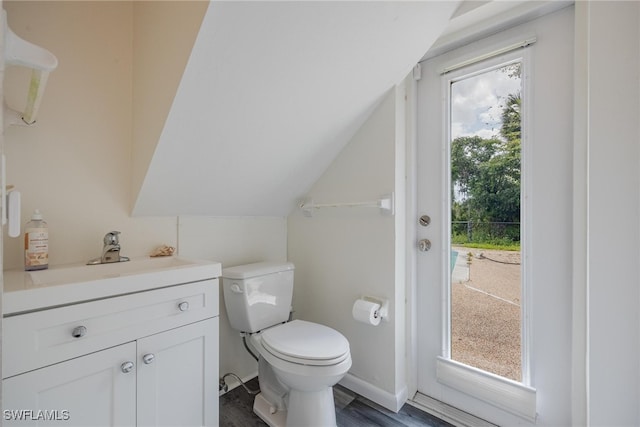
299,362
308,359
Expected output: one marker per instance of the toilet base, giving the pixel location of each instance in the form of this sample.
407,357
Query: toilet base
263,409
310,409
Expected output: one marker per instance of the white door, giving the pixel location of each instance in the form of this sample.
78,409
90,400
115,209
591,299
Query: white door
98,389
178,370
542,308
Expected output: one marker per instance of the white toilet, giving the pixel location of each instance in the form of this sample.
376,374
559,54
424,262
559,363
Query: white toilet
299,361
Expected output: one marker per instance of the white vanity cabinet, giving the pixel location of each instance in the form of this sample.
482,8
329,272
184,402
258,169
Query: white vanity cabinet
87,391
179,385
148,358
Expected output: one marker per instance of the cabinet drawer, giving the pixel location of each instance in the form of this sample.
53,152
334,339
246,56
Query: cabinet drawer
41,338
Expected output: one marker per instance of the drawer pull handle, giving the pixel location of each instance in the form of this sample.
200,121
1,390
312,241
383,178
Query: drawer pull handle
148,358
127,367
79,331
183,306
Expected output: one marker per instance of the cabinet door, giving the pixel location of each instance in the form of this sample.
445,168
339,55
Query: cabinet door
178,376
91,390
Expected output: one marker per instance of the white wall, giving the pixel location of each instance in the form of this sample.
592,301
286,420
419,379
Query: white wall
74,164
607,186
233,241
1,183
162,46
343,253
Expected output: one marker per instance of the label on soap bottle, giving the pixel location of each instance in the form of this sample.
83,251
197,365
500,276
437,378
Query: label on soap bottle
36,249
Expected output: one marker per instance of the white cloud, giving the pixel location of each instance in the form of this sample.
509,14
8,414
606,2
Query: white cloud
459,130
476,103
486,133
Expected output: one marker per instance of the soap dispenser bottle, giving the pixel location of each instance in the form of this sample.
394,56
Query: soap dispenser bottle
36,243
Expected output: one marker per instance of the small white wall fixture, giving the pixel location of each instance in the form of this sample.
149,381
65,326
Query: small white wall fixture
23,53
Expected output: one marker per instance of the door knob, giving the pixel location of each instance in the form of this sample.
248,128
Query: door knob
424,245
148,358
127,367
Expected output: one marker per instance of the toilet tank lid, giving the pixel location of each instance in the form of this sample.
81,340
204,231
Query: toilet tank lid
256,269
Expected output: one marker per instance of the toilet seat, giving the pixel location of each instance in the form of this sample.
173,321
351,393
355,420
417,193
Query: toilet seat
306,343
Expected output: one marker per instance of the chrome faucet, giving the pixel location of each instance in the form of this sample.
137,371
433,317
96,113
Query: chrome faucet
110,250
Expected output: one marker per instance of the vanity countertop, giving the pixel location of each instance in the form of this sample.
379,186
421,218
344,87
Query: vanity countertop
68,284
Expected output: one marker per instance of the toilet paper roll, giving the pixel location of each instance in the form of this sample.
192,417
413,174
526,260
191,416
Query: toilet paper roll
366,312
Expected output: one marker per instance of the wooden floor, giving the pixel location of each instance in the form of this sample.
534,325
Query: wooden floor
352,410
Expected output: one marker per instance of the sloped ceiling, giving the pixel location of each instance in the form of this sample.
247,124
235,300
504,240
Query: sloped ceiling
271,93
475,19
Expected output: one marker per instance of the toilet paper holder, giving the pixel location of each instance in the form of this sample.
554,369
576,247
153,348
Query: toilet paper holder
383,311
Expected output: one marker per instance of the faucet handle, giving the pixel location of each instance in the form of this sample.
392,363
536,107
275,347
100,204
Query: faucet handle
111,238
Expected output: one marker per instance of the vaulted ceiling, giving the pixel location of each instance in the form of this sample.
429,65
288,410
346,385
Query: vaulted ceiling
272,91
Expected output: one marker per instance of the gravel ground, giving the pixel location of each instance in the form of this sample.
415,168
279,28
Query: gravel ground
485,318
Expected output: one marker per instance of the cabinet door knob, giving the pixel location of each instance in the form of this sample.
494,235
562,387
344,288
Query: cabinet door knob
183,306
79,331
127,367
148,358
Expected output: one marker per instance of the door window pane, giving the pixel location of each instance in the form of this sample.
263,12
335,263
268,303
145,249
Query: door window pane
485,153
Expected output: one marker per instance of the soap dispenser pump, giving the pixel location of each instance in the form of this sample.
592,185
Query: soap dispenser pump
36,243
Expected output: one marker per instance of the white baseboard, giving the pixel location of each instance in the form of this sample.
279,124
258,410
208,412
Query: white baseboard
392,402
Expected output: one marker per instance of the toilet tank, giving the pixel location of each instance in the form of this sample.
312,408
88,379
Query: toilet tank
258,295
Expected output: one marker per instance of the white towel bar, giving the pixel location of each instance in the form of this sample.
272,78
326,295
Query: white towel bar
385,203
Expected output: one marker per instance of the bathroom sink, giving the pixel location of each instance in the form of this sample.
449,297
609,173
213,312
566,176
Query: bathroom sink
69,284
87,273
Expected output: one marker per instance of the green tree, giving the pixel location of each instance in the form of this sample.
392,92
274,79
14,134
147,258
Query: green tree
486,172
510,129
